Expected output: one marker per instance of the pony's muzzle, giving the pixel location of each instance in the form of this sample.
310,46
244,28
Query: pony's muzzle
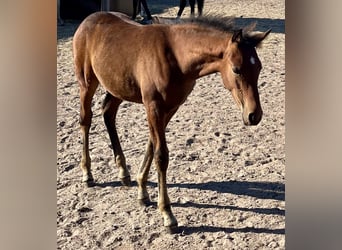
252,118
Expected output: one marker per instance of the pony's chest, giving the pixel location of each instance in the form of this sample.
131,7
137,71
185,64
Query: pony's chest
176,93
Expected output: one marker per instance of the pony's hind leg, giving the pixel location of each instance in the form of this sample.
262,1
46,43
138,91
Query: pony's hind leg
86,96
142,176
109,108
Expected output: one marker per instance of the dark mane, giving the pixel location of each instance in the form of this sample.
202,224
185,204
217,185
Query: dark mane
219,22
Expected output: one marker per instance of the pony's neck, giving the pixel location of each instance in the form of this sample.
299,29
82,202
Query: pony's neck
198,50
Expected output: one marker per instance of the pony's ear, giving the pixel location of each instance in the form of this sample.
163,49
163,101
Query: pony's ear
237,36
255,38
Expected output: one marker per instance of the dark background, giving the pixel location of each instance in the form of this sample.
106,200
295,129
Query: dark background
78,9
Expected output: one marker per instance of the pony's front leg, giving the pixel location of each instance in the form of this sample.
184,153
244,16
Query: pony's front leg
158,119
142,176
161,157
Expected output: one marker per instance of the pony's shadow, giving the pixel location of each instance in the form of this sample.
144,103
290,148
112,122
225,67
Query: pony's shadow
261,190
113,184
186,230
275,211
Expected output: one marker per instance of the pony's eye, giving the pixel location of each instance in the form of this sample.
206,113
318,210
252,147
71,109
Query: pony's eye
236,70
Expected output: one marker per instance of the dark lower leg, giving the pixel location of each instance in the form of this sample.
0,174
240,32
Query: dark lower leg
200,4
135,7
192,7
182,4
147,11
110,107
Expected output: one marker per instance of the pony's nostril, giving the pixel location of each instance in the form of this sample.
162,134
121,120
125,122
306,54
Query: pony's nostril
252,118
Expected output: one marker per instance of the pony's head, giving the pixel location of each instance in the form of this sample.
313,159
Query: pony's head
240,73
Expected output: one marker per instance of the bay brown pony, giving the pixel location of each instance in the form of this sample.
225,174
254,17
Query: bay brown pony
157,65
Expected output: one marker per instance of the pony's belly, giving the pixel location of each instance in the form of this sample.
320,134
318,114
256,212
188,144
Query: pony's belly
127,91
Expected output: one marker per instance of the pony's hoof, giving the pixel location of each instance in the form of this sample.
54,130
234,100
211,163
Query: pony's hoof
172,229
88,180
145,202
90,183
126,181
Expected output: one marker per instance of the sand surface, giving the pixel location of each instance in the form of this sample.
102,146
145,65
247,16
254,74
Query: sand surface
226,181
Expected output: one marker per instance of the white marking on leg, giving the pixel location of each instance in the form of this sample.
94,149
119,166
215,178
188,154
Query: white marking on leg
252,60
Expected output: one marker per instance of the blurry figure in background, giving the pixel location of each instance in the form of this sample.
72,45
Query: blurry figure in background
137,8
182,4
59,19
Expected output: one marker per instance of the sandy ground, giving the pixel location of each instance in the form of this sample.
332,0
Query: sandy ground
226,180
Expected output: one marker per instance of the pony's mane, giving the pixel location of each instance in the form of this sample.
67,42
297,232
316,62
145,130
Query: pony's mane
218,22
